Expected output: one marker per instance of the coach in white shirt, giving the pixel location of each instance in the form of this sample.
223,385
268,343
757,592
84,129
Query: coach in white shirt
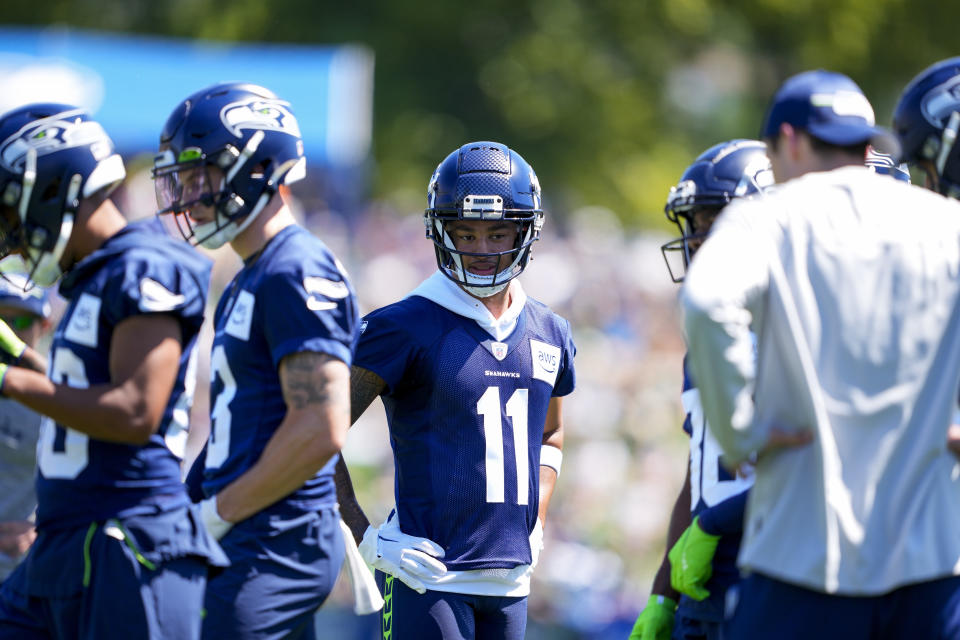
852,283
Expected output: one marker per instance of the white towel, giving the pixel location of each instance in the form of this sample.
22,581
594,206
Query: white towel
366,595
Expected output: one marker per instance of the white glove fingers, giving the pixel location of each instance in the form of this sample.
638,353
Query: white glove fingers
422,565
424,545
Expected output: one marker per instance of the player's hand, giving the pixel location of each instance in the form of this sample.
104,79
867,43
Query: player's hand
691,561
655,622
779,439
11,346
953,439
217,526
407,558
536,544
16,536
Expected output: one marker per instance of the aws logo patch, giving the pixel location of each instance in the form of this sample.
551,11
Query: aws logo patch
241,316
84,321
546,361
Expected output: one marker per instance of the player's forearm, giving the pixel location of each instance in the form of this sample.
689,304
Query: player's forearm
548,480
299,448
552,437
680,519
350,509
661,581
33,360
112,413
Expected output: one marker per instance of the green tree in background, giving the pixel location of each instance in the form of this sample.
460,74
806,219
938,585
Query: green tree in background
608,99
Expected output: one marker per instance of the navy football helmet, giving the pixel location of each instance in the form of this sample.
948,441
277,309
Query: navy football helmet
883,163
729,170
927,120
249,135
483,181
52,156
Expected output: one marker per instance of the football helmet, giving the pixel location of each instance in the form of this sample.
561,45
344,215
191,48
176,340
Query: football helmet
228,146
927,120
729,170
883,163
52,156
483,181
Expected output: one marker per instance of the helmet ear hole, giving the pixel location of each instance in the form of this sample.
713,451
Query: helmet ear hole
50,191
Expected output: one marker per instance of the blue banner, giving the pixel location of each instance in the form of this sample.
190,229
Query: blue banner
132,83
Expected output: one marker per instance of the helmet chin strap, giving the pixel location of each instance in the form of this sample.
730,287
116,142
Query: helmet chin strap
485,292
224,232
45,265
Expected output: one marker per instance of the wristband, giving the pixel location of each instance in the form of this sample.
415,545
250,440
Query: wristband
552,457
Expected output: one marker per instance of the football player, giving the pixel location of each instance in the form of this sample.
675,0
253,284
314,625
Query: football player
119,546
704,532
471,372
27,313
285,329
927,121
854,303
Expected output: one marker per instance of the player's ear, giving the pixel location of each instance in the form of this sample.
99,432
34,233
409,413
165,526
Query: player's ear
789,139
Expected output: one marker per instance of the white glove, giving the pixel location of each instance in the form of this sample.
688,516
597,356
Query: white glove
404,557
536,543
216,525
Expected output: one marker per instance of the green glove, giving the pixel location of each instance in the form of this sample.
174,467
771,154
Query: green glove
655,622
11,347
691,561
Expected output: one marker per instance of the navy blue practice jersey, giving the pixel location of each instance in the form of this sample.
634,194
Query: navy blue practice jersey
136,272
466,417
292,297
710,483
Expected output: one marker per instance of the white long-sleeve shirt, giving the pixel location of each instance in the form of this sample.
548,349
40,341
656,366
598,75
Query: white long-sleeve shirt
852,283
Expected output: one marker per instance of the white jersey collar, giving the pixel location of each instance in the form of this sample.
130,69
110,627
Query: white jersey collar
445,292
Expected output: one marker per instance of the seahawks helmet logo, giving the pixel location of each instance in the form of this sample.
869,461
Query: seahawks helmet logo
941,101
758,174
266,115
63,131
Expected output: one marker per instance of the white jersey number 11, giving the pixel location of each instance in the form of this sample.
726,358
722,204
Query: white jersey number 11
516,409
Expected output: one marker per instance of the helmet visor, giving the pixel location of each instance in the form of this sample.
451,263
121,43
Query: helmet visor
180,187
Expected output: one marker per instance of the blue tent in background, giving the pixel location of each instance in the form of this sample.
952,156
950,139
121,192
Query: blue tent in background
131,83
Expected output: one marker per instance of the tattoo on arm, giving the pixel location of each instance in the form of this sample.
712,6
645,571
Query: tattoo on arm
303,380
364,387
